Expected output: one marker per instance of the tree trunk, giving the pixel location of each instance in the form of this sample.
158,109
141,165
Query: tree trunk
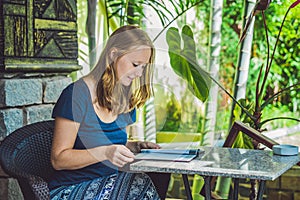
214,65
240,82
241,76
223,186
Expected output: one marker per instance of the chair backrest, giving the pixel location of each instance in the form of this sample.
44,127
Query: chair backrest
25,155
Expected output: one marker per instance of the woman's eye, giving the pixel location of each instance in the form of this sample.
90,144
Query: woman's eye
139,65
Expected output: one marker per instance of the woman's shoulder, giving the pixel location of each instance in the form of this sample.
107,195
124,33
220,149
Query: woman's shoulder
77,85
75,90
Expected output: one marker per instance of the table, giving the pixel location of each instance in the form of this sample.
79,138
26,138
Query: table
227,162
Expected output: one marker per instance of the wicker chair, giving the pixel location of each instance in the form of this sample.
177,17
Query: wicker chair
25,155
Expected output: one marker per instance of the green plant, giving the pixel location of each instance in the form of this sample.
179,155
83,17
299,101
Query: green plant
173,116
183,61
261,103
128,12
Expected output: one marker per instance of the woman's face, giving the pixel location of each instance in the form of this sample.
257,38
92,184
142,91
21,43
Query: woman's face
131,65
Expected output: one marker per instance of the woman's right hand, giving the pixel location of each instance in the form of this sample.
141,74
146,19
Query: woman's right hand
119,155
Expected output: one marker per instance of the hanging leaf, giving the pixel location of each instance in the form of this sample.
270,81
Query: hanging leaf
183,61
295,4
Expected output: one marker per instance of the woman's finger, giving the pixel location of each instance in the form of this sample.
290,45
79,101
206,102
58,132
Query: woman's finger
125,155
149,145
126,152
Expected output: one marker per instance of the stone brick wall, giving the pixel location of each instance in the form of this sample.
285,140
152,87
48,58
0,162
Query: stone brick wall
24,101
286,187
28,100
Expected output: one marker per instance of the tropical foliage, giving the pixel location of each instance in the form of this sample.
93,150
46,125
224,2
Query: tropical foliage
280,75
273,83
184,62
249,110
284,71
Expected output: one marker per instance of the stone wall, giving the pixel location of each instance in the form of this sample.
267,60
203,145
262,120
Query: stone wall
24,101
38,49
286,186
27,100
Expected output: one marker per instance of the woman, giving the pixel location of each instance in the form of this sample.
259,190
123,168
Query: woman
90,141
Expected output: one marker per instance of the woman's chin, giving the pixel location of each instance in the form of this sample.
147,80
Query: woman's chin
126,82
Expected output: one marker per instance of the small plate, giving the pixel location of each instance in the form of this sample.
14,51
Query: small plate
285,150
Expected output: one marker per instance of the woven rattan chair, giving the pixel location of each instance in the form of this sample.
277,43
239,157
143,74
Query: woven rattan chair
25,155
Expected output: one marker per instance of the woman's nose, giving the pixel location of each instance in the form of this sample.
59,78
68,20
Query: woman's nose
139,72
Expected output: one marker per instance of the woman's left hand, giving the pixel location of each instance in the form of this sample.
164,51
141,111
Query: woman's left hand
136,146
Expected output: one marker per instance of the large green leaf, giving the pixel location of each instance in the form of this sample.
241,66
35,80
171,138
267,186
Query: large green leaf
183,61
243,141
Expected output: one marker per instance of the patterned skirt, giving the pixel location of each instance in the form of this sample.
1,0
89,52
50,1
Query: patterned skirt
121,186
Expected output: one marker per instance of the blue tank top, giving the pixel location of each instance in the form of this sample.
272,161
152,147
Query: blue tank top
75,103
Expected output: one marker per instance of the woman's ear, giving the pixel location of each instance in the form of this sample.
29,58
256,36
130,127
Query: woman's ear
113,53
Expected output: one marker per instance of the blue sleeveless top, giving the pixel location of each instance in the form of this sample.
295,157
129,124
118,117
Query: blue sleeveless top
75,103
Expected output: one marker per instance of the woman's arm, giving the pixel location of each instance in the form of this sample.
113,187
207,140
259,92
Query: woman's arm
63,156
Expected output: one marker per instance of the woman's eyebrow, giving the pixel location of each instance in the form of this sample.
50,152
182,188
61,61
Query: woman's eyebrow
140,62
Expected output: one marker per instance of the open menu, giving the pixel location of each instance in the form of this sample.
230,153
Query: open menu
184,155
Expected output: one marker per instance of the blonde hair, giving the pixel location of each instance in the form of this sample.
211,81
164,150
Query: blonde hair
110,93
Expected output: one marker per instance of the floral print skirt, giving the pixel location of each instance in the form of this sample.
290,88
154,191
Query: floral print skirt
121,186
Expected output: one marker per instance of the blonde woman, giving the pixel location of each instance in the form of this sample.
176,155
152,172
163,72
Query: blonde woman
90,141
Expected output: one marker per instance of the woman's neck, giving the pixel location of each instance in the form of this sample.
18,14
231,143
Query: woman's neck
103,113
